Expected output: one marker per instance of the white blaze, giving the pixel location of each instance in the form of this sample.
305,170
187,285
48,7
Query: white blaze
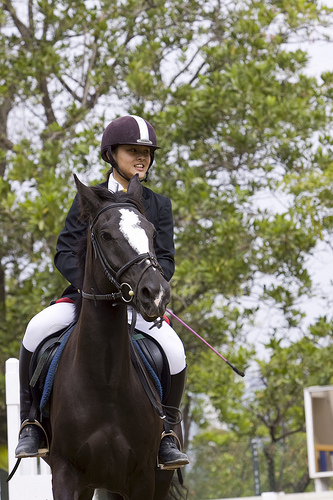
159,297
135,235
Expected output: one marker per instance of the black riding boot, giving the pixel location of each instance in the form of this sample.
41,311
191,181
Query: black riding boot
31,432
169,455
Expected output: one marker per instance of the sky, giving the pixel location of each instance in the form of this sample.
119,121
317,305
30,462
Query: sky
320,52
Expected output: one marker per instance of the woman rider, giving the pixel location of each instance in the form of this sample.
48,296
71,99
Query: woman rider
128,145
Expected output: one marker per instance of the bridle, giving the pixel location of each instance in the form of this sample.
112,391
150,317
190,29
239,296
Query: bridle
125,291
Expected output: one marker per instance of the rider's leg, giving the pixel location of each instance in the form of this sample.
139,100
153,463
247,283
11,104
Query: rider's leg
169,454
167,338
48,321
30,435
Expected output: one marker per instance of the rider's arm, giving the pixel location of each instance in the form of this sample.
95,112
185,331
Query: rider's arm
67,245
163,243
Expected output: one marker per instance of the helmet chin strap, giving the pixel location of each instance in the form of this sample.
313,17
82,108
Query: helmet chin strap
127,179
121,175
115,165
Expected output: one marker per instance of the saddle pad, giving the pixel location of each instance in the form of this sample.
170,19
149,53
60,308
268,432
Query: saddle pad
51,373
149,368
47,366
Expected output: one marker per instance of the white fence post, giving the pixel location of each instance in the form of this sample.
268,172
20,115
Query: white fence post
32,480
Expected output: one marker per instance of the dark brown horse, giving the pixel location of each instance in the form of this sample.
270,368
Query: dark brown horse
105,429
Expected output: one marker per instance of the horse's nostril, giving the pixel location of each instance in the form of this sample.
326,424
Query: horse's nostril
146,295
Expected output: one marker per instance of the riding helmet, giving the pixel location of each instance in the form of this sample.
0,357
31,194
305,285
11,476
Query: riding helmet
129,129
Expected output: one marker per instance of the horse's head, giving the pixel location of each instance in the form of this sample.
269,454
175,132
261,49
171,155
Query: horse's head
122,265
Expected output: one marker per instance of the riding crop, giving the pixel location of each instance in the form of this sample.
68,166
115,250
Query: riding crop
239,372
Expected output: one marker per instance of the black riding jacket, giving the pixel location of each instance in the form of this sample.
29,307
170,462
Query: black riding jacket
158,211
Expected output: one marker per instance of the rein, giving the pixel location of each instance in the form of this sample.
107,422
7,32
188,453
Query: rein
125,291
142,373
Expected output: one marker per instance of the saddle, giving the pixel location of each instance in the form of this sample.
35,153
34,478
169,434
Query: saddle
46,357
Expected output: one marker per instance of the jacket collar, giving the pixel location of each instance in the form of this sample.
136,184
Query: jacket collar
146,198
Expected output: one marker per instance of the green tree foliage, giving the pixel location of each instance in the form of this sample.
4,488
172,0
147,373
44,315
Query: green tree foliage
270,411
224,464
237,119
219,469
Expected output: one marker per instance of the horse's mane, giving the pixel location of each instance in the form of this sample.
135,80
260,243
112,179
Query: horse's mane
81,249
117,197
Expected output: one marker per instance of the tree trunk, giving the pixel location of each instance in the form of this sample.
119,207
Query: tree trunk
270,460
2,295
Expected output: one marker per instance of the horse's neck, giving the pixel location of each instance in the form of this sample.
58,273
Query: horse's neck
102,332
103,337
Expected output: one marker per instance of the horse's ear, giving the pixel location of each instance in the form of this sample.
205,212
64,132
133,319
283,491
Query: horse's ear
89,202
134,188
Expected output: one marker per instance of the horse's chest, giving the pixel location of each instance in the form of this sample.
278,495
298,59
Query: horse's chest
110,416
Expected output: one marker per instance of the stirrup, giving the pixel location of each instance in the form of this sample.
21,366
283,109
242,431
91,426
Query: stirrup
170,466
42,452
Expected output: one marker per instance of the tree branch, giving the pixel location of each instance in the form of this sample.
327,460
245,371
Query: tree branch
31,17
5,143
24,31
69,90
87,80
188,65
50,116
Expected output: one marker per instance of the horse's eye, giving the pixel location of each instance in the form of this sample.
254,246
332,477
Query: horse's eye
106,236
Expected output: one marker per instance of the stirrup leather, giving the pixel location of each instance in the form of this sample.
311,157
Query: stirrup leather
42,452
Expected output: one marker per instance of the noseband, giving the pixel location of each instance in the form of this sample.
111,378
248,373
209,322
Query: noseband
125,291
